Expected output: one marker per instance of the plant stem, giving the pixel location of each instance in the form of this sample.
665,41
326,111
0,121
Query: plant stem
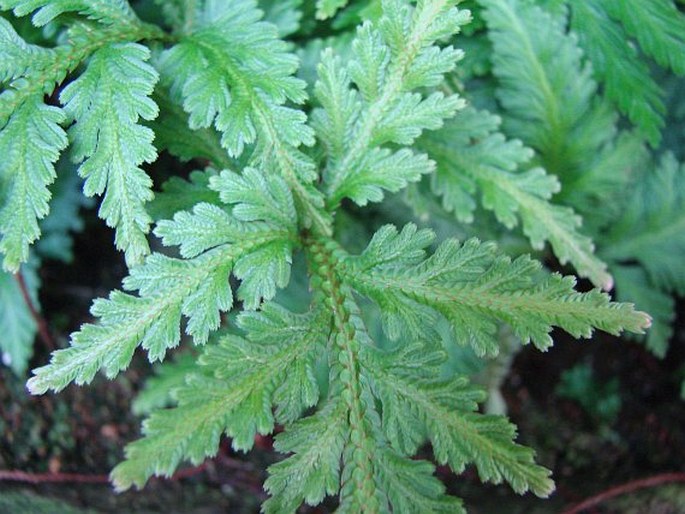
624,489
42,325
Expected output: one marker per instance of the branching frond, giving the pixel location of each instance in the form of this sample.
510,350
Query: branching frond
475,288
236,385
231,71
471,155
626,77
658,26
30,144
111,143
546,90
389,61
110,12
354,411
214,243
417,404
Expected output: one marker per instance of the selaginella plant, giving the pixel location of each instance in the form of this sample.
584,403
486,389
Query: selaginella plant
282,169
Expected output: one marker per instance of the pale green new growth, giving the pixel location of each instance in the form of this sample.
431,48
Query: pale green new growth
109,140
30,144
354,411
112,144
387,64
327,8
231,71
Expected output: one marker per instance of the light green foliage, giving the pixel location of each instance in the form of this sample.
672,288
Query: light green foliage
253,242
102,136
387,64
218,69
473,288
17,323
30,143
236,385
16,56
105,11
658,26
111,144
355,403
285,14
471,154
327,8
416,402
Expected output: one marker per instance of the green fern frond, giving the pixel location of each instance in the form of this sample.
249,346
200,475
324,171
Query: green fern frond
652,228
234,73
215,243
475,288
110,12
285,14
417,404
471,155
30,143
353,414
627,79
647,243
111,143
328,8
388,62
634,285
658,26
16,56
231,71
173,134
312,472
241,379
546,90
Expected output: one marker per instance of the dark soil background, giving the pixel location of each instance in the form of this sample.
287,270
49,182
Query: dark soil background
83,430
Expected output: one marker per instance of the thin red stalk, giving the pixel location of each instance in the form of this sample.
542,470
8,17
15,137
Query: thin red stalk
624,489
42,478
37,317
77,478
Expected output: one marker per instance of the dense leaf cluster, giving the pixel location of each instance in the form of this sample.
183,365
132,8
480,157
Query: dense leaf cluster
341,342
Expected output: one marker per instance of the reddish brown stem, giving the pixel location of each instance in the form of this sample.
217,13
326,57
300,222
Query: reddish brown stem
624,489
42,325
76,478
42,478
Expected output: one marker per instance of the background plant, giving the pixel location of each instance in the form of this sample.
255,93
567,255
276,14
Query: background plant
359,371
